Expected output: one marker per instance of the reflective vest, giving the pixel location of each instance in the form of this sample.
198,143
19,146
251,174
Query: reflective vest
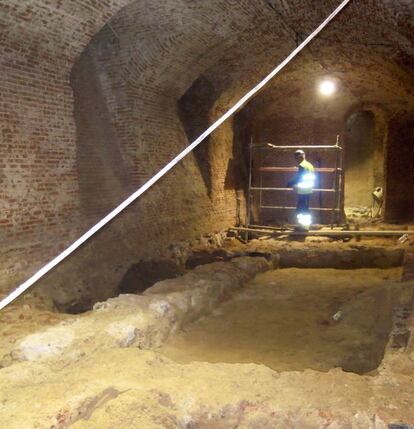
305,179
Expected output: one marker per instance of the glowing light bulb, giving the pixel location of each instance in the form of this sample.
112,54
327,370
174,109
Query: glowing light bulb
327,88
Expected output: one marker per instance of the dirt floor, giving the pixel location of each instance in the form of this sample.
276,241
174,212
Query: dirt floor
131,388
284,320
24,317
269,356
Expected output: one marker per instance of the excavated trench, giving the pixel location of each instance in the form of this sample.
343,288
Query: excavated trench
175,354
305,317
322,307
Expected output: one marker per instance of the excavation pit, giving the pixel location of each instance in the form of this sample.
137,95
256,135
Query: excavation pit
293,319
236,341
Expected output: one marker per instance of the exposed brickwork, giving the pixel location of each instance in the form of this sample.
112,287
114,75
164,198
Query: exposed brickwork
292,112
39,191
69,155
139,75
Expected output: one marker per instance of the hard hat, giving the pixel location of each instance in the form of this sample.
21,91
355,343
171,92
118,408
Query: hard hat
299,152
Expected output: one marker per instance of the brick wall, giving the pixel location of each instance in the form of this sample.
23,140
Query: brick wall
117,128
80,132
39,193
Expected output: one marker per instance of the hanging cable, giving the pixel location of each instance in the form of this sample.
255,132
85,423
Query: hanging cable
88,234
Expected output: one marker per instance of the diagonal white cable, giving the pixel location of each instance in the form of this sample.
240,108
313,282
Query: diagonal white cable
24,286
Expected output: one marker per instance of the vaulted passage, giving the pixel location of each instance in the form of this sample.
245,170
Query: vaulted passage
266,281
234,329
88,119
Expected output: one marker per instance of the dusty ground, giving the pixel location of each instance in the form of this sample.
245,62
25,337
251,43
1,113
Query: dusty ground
283,319
24,317
97,383
132,388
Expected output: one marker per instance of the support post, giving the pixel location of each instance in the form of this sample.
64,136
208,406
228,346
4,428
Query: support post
261,185
341,188
336,182
249,194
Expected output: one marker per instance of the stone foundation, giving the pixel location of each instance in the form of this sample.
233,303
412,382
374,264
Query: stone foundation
144,321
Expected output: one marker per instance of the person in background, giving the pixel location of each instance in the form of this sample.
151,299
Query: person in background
303,184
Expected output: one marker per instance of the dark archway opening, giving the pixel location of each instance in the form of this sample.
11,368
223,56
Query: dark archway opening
364,164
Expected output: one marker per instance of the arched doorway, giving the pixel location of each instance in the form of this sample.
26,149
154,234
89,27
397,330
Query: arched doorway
364,163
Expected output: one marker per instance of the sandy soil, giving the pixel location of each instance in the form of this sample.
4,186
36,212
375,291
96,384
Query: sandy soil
27,315
131,388
126,387
283,319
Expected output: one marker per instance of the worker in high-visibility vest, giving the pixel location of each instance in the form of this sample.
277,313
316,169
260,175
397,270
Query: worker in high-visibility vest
303,184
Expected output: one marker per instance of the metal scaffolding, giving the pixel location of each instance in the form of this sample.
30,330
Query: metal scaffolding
337,183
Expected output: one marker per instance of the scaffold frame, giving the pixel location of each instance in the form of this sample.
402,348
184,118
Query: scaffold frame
337,171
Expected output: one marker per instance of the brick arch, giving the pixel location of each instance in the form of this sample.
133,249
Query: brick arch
162,48
39,193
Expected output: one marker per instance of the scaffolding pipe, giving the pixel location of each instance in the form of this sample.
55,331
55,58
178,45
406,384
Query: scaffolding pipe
310,147
294,208
336,183
288,189
290,169
274,228
331,233
249,194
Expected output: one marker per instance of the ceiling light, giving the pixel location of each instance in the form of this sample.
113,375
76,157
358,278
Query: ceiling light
327,87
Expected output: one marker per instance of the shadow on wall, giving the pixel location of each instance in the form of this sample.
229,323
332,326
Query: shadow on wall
399,203
365,161
194,108
144,274
241,141
380,152
359,160
101,169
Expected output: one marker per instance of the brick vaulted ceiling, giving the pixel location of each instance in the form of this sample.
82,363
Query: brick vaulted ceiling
242,40
168,45
369,48
150,53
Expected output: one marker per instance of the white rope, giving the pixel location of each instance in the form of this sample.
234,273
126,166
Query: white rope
39,274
